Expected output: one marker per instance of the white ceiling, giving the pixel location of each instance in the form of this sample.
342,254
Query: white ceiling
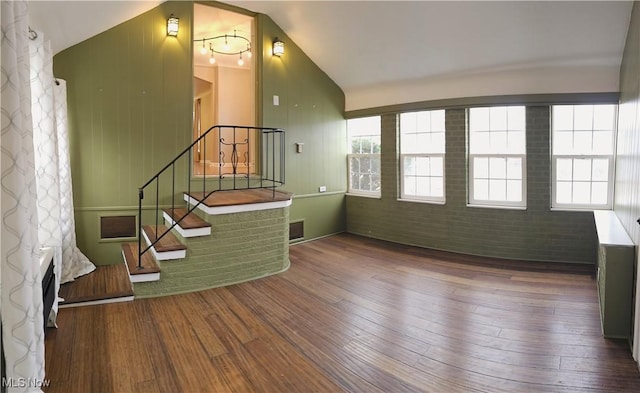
390,52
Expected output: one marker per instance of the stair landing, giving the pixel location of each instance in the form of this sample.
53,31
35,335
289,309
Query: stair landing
234,201
106,284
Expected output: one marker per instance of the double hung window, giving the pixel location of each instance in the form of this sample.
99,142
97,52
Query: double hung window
497,156
582,156
364,155
422,154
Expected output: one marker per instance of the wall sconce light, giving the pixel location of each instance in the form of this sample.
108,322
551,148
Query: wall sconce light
172,26
278,47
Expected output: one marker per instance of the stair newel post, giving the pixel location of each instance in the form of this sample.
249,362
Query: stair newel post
140,198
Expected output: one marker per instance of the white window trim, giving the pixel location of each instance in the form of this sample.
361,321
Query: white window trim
352,191
612,167
422,198
497,204
583,207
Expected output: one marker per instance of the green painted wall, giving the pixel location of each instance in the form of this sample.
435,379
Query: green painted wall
533,234
311,111
130,112
130,102
627,196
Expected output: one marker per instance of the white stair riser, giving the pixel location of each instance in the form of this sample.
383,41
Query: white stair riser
147,277
237,208
186,233
167,255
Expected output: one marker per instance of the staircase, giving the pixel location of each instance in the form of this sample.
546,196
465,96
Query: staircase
187,224
166,224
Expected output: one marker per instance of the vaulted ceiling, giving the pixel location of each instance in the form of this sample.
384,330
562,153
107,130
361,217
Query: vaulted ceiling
389,52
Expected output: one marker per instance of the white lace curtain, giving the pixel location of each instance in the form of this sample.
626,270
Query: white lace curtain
36,199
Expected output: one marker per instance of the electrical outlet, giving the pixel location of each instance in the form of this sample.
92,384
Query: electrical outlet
322,188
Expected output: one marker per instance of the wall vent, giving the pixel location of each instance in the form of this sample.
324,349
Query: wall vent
296,230
116,227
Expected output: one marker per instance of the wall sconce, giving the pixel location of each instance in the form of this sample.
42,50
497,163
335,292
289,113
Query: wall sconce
172,26
278,47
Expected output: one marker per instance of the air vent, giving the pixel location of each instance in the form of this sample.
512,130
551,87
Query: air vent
116,227
296,230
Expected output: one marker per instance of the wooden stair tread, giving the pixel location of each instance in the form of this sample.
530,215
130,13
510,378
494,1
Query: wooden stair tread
241,197
149,265
191,221
106,282
168,242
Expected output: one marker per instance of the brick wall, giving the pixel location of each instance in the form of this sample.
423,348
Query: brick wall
536,233
242,246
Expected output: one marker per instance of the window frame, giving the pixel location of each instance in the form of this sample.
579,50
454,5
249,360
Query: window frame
374,156
611,158
471,201
402,156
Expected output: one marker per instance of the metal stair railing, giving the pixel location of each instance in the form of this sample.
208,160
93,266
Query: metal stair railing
232,141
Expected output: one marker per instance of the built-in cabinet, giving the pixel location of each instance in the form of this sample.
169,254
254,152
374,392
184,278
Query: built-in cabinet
616,254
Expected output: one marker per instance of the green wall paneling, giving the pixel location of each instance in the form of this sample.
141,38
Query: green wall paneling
129,98
130,110
323,214
311,112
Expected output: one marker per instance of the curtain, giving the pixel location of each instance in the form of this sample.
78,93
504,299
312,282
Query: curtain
21,291
36,199
53,175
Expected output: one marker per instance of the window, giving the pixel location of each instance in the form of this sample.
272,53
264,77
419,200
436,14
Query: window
497,156
364,155
422,149
582,156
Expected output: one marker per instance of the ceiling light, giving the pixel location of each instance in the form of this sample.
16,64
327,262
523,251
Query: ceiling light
226,44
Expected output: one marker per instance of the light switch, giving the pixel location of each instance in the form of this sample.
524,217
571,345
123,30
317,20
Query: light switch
276,100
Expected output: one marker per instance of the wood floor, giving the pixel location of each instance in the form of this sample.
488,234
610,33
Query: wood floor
357,315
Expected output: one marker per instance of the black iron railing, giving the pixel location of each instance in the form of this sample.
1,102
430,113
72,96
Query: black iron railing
237,157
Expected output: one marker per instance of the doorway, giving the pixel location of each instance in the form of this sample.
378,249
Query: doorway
223,86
